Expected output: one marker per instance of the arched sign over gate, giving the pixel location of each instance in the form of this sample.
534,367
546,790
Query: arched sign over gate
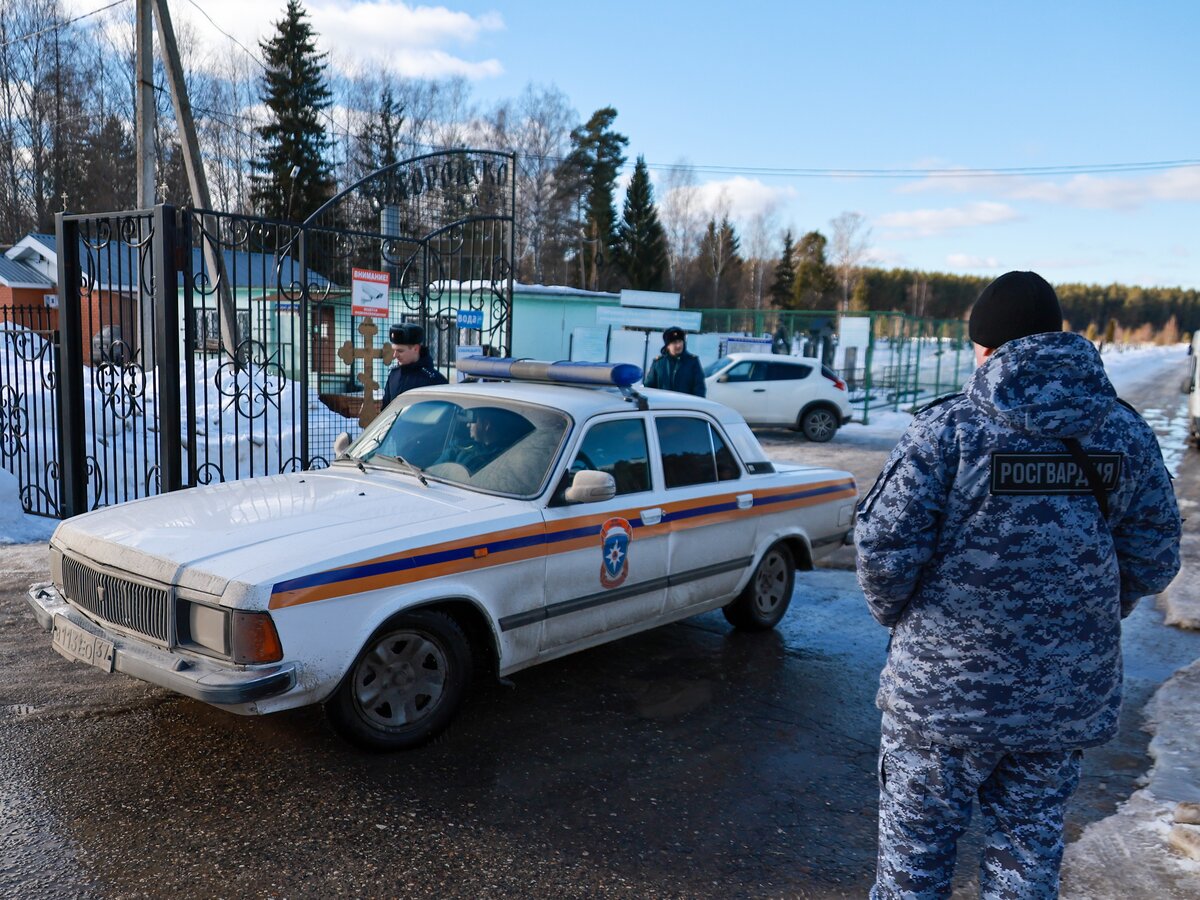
430,241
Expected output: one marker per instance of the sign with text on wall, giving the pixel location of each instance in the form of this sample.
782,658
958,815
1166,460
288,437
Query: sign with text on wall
369,293
469,318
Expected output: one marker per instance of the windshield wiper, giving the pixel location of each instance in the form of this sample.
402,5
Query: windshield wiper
411,468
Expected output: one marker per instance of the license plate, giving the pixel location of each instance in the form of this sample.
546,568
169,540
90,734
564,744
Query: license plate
74,643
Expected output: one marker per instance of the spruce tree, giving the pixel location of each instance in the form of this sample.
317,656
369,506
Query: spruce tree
784,284
721,260
295,91
594,161
815,278
641,241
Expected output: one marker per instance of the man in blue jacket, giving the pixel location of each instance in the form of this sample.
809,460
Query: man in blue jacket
1012,528
414,366
675,369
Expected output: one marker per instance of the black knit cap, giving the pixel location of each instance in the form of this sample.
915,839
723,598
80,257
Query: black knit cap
1015,305
406,334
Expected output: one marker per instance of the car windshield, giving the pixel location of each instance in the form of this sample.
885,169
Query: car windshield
713,367
485,443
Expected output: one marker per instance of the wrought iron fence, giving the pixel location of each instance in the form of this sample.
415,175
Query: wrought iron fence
29,405
199,346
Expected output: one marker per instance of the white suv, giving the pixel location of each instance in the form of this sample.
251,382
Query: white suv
769,389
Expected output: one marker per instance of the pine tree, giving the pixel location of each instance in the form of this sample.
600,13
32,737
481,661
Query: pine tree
296,91
594,161
641,251
783,287
815,278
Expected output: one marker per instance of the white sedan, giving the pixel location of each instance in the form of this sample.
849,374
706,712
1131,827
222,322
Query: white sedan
792,391
496,524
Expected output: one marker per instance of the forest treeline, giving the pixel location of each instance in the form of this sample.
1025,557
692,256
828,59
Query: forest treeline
281,129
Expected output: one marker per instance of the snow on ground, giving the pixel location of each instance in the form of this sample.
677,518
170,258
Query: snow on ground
15,526
1126,366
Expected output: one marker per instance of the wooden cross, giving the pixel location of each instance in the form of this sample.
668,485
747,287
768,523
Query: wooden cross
368,353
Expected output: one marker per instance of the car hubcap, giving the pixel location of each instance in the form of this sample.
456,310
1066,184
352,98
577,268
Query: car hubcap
770,584
401,680
820,424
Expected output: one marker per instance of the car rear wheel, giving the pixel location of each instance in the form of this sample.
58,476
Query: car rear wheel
819,425
764,601
406,684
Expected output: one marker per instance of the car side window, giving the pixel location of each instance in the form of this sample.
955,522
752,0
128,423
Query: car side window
745,371
693,452
787,371
619,448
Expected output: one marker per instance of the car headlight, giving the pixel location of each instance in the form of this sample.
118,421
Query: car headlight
243,637
202,627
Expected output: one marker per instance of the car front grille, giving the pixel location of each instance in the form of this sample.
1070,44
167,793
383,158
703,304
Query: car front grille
118,601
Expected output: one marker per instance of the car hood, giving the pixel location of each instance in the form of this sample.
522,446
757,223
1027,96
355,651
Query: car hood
262,530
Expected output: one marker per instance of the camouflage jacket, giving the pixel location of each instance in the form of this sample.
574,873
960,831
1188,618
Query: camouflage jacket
983,547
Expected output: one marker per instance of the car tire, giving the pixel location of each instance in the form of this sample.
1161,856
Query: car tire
819,424
405,685
765,599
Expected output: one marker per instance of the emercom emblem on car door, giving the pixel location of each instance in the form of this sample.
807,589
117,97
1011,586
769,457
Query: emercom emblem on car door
614,538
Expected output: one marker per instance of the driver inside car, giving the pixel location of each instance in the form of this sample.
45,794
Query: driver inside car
492,431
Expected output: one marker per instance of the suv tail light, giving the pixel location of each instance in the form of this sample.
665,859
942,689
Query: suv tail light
837,382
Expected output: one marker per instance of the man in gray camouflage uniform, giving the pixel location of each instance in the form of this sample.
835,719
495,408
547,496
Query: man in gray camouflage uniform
1003,568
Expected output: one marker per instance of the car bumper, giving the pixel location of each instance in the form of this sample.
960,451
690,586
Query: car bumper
195,677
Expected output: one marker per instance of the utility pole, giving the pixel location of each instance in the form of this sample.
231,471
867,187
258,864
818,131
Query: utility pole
193,166
145,104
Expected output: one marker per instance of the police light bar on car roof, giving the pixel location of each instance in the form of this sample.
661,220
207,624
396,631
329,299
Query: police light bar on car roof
563,372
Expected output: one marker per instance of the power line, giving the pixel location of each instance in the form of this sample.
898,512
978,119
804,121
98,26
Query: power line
59,25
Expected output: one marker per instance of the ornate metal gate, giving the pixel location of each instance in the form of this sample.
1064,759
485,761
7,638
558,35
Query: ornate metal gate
200,346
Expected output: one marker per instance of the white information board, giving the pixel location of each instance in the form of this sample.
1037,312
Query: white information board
465,351
854,331
589,343
651,299
659,319
628,347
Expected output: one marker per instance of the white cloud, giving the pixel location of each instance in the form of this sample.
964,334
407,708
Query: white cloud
967,261
411,40
927,222
744,198
1123,192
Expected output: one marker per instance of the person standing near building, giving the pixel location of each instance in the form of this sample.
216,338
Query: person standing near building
675,369
414,366
1012,528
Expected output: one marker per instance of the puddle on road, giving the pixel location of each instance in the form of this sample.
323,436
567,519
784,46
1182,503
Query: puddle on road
34,862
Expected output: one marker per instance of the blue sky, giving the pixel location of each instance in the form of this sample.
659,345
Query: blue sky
858,85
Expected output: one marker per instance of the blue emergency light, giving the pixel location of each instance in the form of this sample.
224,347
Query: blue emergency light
562,372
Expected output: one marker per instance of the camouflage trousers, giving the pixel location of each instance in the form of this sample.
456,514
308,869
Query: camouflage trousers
925,796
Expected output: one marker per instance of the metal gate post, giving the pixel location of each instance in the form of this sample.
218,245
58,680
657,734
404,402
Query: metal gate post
306,332
69,371
166,347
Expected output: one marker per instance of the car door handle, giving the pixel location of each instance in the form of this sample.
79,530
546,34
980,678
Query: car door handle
745,501
758,390
651,516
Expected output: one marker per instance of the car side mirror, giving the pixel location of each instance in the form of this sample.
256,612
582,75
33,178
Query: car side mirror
722,378
590,486
341,444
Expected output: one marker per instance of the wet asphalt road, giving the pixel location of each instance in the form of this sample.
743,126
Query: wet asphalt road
690,761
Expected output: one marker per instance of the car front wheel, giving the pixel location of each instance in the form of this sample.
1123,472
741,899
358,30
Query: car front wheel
764,601
819,425
406,684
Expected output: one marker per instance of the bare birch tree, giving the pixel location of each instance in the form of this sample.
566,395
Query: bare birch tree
849,244
682,218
